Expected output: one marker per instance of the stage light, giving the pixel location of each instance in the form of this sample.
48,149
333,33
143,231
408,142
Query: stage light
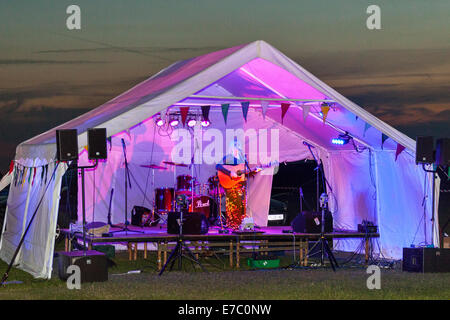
174,122
337,141
191,123
341,139
159,122
205,123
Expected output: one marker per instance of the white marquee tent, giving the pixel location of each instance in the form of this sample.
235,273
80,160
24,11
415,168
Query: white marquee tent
369,179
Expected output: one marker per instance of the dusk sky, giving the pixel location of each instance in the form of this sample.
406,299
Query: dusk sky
49,74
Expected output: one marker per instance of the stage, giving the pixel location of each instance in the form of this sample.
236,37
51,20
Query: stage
262,241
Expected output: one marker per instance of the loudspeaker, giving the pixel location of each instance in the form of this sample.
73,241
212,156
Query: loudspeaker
193,223
97,143
424,150
93,265
426,260
310,222
143,217
66,145
443,152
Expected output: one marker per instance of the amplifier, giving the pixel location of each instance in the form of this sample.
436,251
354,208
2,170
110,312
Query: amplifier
193,223
426,260
310,222
93,265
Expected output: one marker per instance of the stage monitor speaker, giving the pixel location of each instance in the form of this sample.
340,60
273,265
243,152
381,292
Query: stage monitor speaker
443,152
93,265
193,223
424,150
426,260
310,222
66,145
97,143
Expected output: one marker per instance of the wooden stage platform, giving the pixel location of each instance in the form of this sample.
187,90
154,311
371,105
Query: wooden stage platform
263,240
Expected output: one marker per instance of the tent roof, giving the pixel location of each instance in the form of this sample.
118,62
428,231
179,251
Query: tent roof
255,70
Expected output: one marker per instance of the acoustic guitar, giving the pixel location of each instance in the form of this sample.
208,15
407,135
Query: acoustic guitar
227,182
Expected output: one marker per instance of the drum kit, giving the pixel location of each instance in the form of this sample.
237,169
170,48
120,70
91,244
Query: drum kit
201,198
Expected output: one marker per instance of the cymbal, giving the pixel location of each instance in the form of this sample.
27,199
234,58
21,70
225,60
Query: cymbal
170,163
153,166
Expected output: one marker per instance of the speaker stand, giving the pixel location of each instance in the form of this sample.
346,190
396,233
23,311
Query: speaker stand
177,252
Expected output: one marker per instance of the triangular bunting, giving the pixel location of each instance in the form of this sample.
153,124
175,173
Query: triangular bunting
205,112
245,106
284,109
383,139
399,150
306,109
366,127
11,166
184,112
264,105
225,108
325,108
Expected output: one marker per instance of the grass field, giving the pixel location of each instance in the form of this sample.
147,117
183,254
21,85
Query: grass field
222,283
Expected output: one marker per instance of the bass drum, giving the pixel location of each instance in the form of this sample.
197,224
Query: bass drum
164,199
205,205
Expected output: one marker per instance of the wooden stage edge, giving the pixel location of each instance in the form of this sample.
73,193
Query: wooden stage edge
262,240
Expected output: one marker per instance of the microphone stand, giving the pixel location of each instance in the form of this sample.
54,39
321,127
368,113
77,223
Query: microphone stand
322,202
127,182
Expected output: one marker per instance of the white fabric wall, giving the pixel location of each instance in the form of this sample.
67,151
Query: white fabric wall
36,253
402,209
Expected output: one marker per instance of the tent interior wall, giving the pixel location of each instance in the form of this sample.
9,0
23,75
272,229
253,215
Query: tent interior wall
368,180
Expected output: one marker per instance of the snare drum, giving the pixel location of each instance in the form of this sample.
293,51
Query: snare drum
164,199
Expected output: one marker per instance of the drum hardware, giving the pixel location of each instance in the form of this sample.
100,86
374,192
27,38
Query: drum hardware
153,166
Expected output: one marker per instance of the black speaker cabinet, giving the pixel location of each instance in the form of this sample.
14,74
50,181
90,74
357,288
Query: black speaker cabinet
426,260
97,143
311,222
93,265
193,223
424,150
443,152
66,145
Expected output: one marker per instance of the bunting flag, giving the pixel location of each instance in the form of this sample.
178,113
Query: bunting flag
399,150
306,109
383,139
284,109
264,105
184,112
34,175
11,166
225,108
325,108
245,106
366,127
205,112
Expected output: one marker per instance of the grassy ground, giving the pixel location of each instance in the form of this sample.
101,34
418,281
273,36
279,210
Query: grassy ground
222,283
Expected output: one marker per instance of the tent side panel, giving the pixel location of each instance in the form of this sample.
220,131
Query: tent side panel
36,254
404,211
352,176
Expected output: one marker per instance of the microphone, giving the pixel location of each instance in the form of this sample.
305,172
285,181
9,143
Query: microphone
308,145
